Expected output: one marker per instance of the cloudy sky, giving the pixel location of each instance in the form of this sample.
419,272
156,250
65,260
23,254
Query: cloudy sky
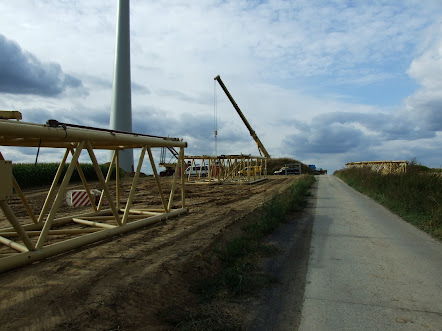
325,82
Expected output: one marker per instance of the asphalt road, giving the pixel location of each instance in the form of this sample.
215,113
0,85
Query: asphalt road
368,269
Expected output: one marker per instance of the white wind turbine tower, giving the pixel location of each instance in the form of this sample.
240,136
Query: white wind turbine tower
121,111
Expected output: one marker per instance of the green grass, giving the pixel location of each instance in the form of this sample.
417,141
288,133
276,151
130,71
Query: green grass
236,272
416,196
29,175
237,256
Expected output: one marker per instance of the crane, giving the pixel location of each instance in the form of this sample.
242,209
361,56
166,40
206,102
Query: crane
261,147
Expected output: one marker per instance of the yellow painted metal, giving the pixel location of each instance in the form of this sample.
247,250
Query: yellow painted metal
58,235
6,176
53,187
134,183
60,196
103,182
157,179
10,114
20,259
108,177
183,187
144,212
172,190
16,225
385,167
92,223
53,232
86,186
252,132
109,218
232,169
117,178
23,200
13,245
30,134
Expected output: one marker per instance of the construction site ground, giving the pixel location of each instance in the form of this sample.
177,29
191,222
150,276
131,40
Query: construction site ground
124,282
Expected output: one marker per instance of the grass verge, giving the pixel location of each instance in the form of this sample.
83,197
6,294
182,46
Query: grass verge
231,269
416,195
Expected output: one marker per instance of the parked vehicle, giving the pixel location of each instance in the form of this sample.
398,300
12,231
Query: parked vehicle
197,171
288,171
251,171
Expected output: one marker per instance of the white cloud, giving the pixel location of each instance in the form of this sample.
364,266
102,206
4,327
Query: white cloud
425,106
427,68
270,55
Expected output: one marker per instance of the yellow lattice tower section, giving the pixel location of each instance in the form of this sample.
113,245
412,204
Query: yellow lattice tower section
43,233
385,167
226,169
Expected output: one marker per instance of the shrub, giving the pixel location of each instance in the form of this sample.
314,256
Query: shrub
415,195
29,175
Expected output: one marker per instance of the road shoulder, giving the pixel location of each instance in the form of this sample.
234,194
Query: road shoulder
281,306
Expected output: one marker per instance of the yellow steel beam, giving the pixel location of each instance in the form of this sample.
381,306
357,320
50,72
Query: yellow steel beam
17,226
10,114
68,232
59,197
157,179
53,187
103,182
134,183
20,259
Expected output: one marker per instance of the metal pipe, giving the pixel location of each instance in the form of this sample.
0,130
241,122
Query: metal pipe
134,183
157,179
108,176
172,190
108,218
95,224
52,232
29,134
13,245
17,226
117,179
53,187
102,182
183,187
86,186
20,259
59,197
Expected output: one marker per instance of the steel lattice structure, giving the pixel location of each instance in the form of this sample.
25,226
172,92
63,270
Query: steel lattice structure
385,167
226,169
42,234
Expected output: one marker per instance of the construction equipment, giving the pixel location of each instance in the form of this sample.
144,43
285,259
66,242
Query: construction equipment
48,233
170,166
251,171
385,167
261,147
289,169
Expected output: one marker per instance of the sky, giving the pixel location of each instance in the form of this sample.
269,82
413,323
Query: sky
324,82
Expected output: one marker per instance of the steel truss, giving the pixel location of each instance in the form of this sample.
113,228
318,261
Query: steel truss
227,169
43,234
385,167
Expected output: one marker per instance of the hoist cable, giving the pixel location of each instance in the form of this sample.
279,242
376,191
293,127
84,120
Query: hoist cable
215,117
38,152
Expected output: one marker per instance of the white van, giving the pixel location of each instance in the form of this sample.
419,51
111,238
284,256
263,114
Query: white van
197,171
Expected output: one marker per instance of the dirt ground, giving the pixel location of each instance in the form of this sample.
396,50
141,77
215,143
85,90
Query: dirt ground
122,283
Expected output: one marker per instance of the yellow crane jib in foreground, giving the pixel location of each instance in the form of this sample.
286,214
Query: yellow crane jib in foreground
261,147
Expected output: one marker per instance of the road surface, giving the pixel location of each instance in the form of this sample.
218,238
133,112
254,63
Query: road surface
368,269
